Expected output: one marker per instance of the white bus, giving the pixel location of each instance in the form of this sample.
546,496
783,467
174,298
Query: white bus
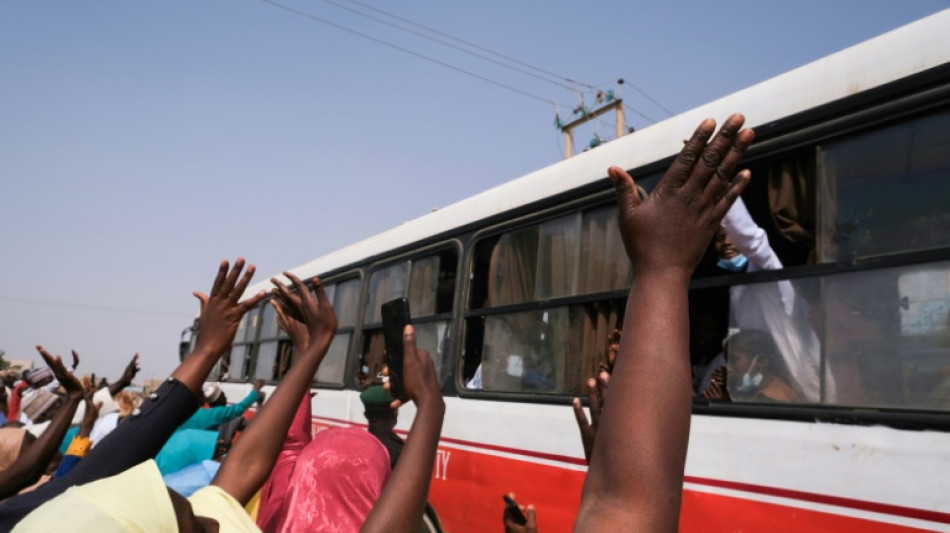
523,283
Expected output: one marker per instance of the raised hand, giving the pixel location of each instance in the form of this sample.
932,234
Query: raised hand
66,378
613,345
419,377
315,313
291,324
670,229
221,312
512,525
131,369
596,397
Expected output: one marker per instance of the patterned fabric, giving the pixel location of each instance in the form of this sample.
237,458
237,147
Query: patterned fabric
335,483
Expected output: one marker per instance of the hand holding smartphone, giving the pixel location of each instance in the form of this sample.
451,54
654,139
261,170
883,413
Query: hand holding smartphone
514,510
395,315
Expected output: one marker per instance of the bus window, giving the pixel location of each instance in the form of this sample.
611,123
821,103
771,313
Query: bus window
384,285
274,352
886,191
429,284
553,349
874,338
237,366
345,296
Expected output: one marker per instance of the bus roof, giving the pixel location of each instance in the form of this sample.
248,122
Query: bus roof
910,49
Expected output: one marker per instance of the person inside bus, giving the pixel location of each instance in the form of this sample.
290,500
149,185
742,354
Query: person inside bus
635,479
771,307
755,370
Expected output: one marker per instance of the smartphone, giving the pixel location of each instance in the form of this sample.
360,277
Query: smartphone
514,511
38,377
395,319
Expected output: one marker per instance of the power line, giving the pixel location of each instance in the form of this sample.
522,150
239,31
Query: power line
499,54
408,51
473,45
450,45
650,98
97,307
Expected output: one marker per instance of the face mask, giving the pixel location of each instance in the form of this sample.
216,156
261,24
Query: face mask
750,381
736,264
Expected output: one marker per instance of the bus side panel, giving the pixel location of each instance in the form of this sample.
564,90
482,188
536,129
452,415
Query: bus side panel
467,487
704,512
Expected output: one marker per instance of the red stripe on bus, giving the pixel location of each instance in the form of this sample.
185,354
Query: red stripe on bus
515,451
861,505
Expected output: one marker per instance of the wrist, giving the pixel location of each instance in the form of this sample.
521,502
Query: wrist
430,403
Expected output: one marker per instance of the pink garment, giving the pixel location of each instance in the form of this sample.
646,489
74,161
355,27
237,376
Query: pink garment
325,484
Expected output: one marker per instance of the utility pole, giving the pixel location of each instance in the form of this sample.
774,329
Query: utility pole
568,129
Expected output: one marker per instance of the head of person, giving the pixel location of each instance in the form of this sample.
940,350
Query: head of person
376,406
126,403
729,257
752,358
40,405
214,396
134,500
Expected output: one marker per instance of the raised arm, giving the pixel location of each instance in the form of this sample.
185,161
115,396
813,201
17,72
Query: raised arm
401,504
221,313
31,464
252,457
635,479
126,378
749,238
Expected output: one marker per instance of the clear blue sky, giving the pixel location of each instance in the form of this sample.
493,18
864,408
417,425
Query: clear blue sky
141,142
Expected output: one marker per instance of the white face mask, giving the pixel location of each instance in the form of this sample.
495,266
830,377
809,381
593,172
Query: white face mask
751,381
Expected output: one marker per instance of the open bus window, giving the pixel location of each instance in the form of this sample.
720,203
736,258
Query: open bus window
430,336
556,348
548,351
886,191
428,282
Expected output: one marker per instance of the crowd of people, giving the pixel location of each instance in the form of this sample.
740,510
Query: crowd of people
145,469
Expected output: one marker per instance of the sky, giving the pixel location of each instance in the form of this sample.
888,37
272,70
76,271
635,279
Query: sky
143,142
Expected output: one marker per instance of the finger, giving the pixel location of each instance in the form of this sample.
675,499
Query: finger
228,286
627,195
242,285
395,404
409,342
584,426
680,170
322,299
283,293
75,359
202,298
45,355
252,302
532,524
593,400
603,379
219,279
303,295
723,174
135,361
714,153
281,317
729,197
